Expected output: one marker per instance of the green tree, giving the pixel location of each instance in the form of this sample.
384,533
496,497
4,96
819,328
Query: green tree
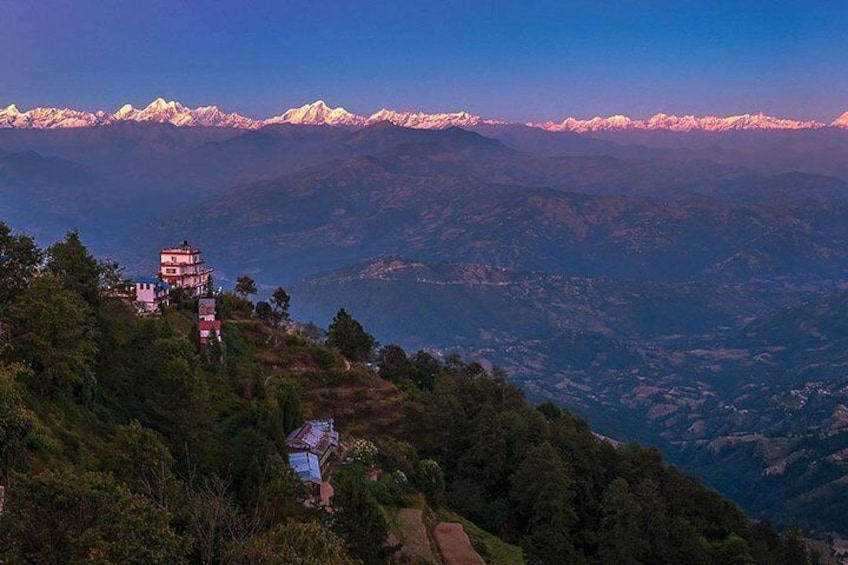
51,332
542,493
171,393
71,517
264,312
349,337
19,260
280,412
393,364
231,306
549,411
137,457
16,420
112,278
78,270
245,286
734,550
297,543
279,493
430,479
280,301
619,539
425,370
485,461
359,519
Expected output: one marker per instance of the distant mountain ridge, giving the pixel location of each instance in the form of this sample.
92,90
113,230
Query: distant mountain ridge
319,113
684,123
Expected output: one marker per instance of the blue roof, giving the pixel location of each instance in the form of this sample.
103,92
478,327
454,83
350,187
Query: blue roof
153,280
306,466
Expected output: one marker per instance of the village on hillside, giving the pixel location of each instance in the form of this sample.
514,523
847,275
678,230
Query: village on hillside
181,268
311,447
314,449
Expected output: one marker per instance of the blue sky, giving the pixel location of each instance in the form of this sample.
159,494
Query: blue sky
512,60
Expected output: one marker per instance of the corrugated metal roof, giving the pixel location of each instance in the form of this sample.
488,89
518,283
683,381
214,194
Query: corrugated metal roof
315,436
306,466
153,280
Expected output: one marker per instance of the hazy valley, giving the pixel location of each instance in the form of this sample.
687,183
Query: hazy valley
681,288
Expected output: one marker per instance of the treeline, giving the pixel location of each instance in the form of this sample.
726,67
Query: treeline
539,478
122,441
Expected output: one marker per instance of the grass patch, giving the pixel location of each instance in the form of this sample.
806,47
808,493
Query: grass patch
491,548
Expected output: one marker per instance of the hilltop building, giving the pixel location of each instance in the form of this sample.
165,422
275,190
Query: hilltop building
151,294
185,268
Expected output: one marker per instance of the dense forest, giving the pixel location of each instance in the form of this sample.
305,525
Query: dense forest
122,440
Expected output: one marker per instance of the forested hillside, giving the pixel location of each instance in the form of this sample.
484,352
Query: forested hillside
123,441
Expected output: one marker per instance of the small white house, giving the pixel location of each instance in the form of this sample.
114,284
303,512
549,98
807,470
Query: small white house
150,293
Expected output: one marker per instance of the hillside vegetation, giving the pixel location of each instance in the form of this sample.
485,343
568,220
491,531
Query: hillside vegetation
122,441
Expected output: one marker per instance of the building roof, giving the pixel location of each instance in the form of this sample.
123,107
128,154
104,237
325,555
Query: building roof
315,436
209,325
153,280
184,249
306,467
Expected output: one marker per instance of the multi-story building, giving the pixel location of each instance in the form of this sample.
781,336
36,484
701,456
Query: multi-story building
184,267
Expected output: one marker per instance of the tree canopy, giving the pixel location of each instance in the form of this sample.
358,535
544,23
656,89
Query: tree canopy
121,441
245,286
348,335
19,259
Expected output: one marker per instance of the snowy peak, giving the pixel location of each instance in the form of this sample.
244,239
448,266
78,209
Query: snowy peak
49,118
841,121
420,120
678,123
174,113
316,114
319,112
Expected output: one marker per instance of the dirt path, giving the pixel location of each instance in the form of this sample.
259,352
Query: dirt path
454,545
413,536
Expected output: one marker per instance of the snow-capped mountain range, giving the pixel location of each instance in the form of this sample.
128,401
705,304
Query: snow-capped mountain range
682,123
319,113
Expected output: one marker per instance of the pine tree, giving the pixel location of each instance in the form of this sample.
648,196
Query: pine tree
79,272
359,519
350,337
